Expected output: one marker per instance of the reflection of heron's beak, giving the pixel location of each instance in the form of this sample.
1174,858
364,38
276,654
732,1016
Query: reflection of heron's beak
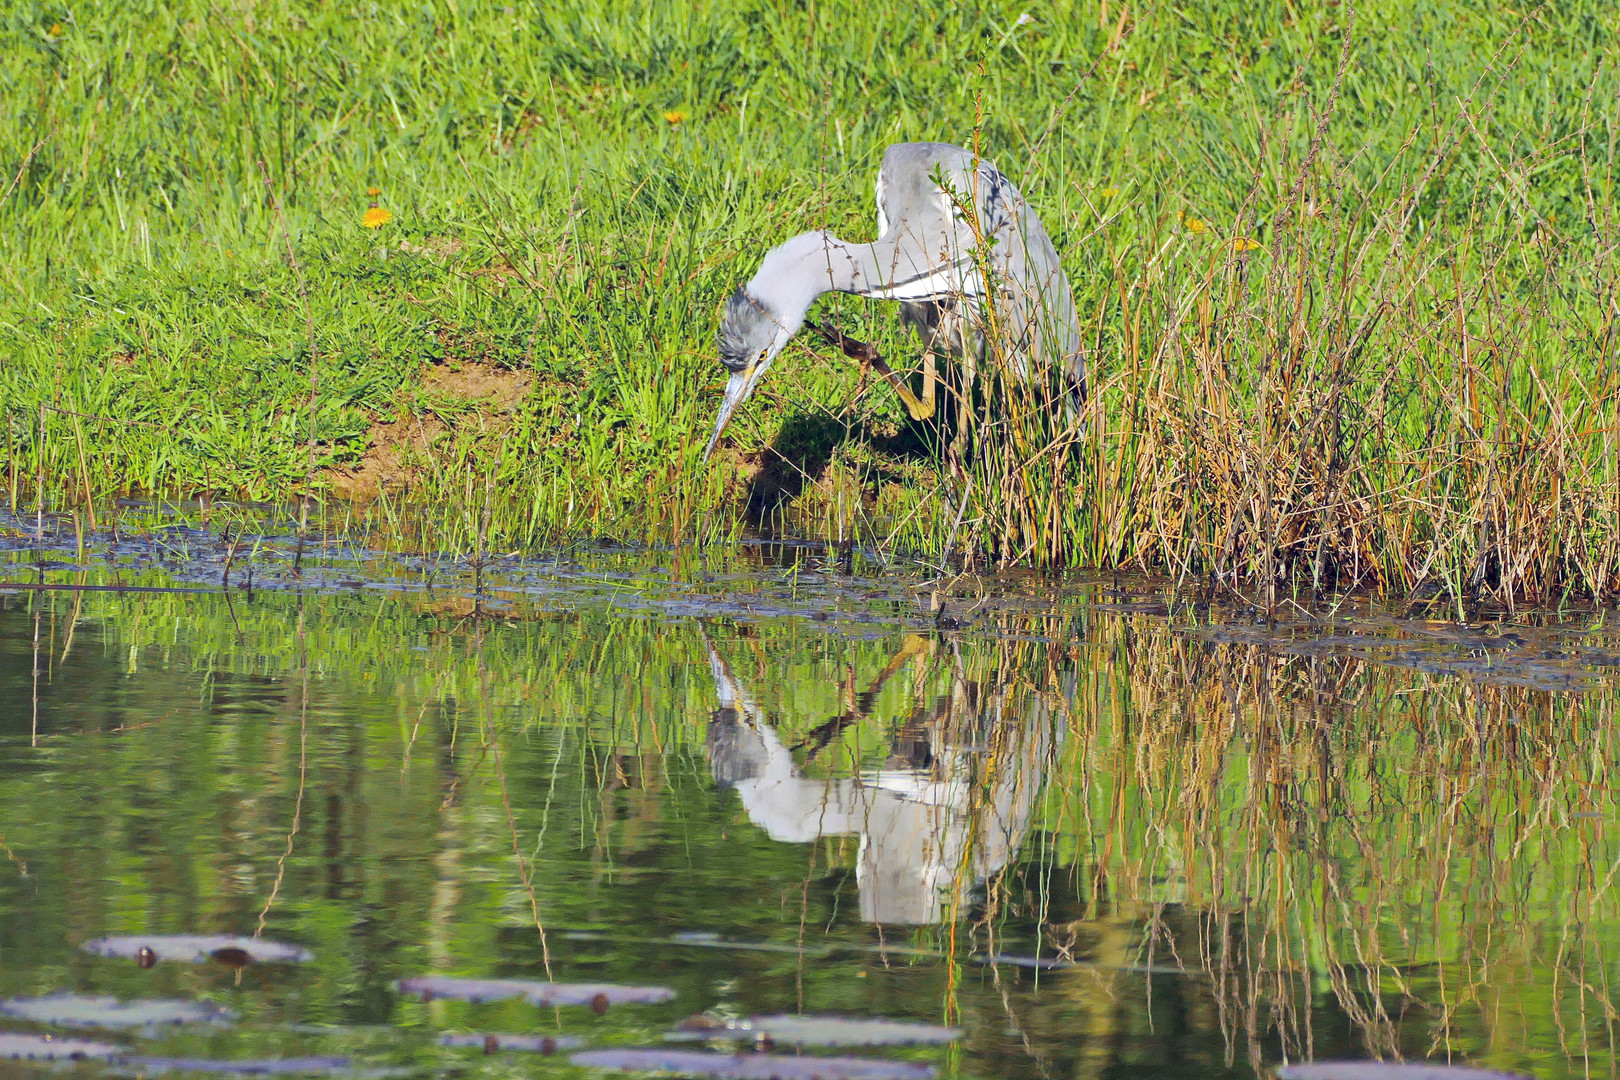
737,391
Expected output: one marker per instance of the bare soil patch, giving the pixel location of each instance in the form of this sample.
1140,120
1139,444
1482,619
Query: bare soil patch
401,447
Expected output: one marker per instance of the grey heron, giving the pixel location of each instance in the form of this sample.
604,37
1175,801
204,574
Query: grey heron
976,275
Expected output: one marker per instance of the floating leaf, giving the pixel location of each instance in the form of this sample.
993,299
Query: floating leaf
1387,1070
753,1066
597,995
244,1066
74,1010
197,949
430,987
534,1044
823,1030
50,1048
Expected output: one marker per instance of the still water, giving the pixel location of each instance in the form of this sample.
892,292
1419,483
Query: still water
1099,834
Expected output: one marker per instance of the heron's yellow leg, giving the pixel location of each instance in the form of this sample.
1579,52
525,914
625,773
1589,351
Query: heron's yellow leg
919,410
930,378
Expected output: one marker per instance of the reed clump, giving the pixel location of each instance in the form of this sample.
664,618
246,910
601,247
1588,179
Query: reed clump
1396,372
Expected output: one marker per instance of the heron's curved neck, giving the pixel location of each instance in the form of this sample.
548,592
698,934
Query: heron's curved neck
795,273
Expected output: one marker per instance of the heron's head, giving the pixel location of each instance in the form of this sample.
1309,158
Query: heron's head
751,334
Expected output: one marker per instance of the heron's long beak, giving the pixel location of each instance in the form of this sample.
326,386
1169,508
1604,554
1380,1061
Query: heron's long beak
738,388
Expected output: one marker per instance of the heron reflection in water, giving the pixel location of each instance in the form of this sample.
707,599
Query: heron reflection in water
948,808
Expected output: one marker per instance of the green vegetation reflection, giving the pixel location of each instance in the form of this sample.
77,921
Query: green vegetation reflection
1231,855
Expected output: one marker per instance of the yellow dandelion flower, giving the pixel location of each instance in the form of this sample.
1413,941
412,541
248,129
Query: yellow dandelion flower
675,116
1109,192
376,217
1193,225
373,191
56,30
1244,243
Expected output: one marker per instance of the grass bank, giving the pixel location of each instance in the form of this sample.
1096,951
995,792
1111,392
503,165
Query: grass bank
1348,274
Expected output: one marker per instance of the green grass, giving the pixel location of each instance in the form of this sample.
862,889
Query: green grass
1410,381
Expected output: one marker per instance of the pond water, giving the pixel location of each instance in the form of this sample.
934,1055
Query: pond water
1096,831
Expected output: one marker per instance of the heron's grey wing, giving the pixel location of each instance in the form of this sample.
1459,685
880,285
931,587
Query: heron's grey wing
923,252
1040,318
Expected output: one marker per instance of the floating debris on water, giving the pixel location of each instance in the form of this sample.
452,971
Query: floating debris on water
702,939
599,996
302,1066
533,1044
432,987
146,951
1389,1070
1039,963
102,1011
50,1048
753,1066
818,1030
707,939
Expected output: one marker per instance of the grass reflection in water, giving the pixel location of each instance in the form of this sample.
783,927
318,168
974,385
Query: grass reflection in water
1236,853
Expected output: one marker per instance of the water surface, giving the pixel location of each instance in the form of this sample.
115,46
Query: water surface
1100,833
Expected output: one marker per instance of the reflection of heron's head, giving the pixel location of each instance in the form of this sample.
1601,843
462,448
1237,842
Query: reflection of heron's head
735,750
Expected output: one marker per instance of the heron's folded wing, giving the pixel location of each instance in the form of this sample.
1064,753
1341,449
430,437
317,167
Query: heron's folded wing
960,278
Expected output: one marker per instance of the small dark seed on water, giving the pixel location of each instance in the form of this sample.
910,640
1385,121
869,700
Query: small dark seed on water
491,1044
231,956
599,1004
145,958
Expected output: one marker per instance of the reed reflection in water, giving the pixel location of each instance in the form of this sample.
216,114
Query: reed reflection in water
1305,853
1245,852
